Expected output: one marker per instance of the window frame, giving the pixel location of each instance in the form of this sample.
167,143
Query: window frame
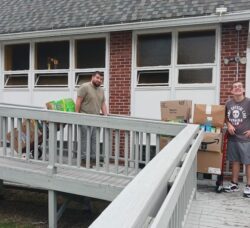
15,74
174,67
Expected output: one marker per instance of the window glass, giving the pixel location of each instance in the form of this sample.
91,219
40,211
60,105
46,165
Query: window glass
52,55
16,80
196,47
154,50
16,57
51,80
82,78
156,77
90,53
187,76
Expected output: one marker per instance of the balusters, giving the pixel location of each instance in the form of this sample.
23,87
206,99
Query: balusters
136,152
79,145
88,147
126,147
27,124
52,148
36,140
61,143
70,148
44,139
5,119
106,149
19,137
12,137
117,147
97,148
157,144
147,148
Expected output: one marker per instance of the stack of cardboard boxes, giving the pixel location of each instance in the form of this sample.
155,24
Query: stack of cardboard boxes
211,119
174,111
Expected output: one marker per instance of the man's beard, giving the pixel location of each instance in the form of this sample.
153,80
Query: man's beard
96,84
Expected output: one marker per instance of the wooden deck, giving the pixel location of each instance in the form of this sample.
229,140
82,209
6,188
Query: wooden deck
218,210
70,179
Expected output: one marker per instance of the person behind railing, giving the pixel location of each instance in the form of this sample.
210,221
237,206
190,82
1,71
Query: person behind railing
90,100
238,148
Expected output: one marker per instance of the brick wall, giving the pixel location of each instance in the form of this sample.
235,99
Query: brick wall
229,49
120,72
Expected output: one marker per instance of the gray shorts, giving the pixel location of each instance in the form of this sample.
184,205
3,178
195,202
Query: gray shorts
238,151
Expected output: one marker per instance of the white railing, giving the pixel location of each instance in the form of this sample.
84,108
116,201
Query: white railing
159,196
121,142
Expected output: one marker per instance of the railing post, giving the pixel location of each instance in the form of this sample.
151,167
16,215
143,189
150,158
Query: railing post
52,209
1,130
52,148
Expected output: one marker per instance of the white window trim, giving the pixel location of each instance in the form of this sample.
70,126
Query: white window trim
172,68
71,71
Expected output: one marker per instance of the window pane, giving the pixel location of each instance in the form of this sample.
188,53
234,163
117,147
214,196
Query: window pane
160,77
16,57
83,77
16,80
51,80
196,47
154,50
187,76
90,53
52,55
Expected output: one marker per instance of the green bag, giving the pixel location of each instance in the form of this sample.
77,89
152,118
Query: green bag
64,105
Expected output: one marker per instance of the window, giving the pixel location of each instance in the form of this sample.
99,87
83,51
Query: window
196,47
15,80
82,78
90,53
148,78
51,80
52,55
188,76
16,57
154,50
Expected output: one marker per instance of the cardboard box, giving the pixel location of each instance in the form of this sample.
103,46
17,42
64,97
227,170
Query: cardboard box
211,142
23,136
211,113
209,162
164,140
178,110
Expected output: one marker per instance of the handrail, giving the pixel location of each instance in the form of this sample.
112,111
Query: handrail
119,122
143,197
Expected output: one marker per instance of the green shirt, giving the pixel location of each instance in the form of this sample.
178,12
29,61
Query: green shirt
93,98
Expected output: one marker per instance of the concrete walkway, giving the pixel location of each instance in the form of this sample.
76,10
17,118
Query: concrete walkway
219,210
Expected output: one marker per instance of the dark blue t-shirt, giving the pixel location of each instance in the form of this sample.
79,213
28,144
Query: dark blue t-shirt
238,114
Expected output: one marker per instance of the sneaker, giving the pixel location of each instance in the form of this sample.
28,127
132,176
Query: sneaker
246,192
231,187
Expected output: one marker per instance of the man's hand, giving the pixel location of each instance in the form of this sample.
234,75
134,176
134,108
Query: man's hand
247,133
231,129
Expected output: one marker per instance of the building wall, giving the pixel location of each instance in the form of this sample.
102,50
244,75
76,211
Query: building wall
120,72
229,40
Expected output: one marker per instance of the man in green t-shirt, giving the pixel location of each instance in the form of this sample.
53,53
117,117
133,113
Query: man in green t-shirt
91,100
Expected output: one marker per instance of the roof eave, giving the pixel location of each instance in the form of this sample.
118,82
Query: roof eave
187,21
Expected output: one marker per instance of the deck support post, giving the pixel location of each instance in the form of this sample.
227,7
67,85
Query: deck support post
52,209
1,189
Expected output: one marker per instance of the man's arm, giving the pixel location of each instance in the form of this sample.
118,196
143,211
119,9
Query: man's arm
230,127
78,103
104,109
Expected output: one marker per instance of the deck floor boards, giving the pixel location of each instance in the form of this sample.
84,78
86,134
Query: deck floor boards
219,210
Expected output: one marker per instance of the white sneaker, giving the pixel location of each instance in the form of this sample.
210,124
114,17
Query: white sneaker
246,192
231,187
